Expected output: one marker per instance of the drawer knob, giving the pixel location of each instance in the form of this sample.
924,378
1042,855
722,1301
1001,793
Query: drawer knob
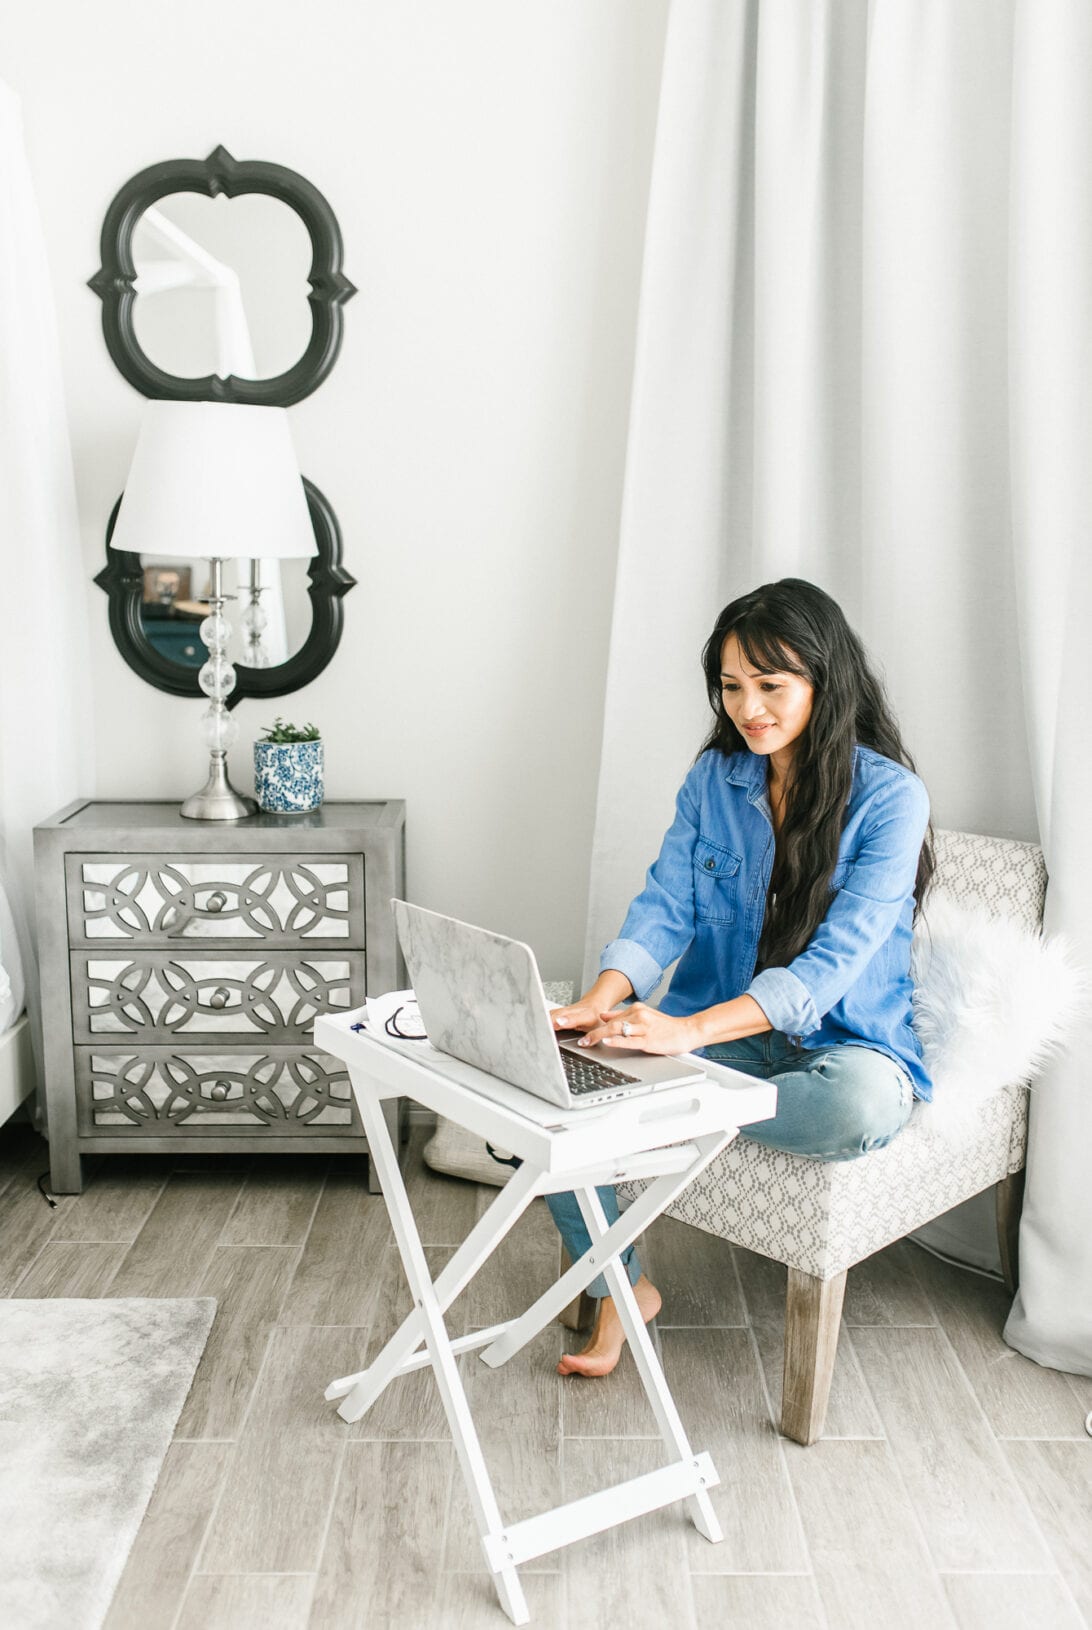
220,997
219,1090
217,901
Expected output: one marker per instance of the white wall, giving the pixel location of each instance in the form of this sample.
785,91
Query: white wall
488,161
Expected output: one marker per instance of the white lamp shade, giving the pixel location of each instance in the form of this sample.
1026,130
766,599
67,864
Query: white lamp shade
214,478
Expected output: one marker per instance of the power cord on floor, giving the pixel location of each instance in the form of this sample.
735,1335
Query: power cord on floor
44,1192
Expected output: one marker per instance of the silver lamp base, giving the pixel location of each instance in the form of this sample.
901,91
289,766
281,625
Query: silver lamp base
218,800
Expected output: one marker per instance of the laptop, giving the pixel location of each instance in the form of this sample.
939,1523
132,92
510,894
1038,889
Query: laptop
481,1000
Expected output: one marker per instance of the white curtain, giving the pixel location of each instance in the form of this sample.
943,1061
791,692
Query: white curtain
839,376
1051,373
46,746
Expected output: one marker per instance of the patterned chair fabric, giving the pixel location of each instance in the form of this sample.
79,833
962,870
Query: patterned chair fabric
822,1217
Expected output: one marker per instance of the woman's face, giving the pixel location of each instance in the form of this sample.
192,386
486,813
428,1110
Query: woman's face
770,711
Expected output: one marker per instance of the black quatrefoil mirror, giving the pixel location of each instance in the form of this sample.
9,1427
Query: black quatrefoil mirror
227,245
221,281
156,611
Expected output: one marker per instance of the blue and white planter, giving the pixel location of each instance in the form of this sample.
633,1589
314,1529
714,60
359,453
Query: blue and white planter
288,776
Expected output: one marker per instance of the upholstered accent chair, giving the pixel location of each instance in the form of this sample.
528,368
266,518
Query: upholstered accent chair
820,1218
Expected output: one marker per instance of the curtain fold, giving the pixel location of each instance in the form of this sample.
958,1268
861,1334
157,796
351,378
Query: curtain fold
46,744
688,481
1051,373
824,385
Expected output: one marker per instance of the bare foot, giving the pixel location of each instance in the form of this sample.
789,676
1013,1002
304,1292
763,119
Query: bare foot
608,1338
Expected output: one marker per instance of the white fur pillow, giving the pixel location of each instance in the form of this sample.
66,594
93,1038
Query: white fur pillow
458,1153
991,1002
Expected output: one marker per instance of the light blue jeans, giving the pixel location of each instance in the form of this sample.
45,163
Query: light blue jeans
833,1103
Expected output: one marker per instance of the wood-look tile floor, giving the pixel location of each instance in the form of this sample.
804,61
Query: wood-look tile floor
953,1488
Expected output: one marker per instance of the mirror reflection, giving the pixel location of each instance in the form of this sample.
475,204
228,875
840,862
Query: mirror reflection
222,285
270,616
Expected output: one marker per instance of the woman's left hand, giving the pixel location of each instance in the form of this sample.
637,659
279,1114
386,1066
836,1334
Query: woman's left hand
643,1029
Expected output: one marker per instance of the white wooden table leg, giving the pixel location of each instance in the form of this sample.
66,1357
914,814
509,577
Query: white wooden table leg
633,1221
483,1501
648,1365
361,1390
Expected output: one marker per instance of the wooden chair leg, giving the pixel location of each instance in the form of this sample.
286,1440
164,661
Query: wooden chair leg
813,1314
580,1313
1009,1194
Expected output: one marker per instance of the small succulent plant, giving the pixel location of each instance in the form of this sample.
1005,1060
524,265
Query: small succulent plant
279,731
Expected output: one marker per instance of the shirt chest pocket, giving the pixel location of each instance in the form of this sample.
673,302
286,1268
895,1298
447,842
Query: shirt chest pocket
716,882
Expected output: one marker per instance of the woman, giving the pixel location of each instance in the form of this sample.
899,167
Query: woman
786,887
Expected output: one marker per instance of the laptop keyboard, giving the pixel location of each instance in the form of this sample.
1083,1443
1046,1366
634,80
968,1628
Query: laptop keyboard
589,1075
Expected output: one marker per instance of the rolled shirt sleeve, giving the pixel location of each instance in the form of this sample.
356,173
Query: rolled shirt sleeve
659,924
862,915
643,971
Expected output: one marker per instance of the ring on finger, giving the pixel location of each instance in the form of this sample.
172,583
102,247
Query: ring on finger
627,1028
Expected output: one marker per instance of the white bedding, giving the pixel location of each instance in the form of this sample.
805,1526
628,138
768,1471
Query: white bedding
16,1067
12,987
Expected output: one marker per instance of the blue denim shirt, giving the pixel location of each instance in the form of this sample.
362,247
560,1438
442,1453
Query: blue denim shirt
704,902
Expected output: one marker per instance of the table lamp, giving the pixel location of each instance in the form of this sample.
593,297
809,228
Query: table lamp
217,480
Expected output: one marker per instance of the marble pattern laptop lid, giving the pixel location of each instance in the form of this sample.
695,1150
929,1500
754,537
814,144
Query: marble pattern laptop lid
481,998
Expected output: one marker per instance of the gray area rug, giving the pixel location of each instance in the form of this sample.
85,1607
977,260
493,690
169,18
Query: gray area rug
90,1392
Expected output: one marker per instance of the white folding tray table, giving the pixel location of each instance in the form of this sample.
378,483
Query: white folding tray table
667,1137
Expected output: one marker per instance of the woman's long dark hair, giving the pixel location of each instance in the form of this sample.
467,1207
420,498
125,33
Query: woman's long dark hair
793,627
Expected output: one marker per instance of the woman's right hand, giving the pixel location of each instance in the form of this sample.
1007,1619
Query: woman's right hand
609,989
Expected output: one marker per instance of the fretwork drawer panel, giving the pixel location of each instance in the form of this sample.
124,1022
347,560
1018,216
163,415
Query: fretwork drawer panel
161,899
165,1091
156,996
184,964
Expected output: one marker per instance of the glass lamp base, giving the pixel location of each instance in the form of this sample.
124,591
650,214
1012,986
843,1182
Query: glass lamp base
218,800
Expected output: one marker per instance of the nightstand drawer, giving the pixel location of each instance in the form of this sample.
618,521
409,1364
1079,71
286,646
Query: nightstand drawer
161,899
159,1091
154,997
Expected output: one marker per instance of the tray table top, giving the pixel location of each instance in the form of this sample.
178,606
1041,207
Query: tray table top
553,1138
